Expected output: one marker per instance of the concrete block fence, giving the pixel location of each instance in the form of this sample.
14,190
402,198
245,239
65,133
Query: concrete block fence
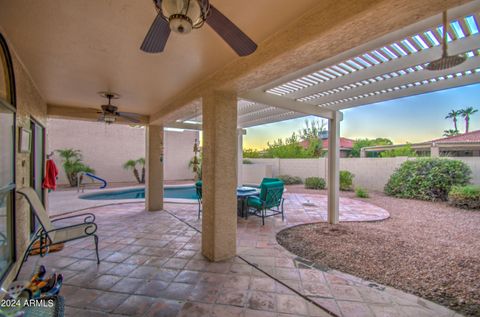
371,173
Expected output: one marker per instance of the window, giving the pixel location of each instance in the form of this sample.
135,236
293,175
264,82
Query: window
7,160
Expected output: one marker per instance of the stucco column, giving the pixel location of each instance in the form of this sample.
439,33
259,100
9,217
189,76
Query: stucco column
219,175
154,168
334,167
240,134
363,153
434,150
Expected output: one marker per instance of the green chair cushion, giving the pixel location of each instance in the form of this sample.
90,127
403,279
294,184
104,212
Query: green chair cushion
254,201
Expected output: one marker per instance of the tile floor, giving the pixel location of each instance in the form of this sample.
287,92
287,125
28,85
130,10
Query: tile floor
152,266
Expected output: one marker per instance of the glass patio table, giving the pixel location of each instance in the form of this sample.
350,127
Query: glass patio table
242,195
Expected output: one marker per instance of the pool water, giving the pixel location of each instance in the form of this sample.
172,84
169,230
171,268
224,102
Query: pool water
179,192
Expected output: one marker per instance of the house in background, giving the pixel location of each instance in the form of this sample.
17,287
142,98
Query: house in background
467,144
346,145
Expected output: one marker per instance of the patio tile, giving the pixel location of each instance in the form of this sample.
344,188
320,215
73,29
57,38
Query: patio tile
135,305
122,269
204,293
227,311
261,301
152,288
109,301
232,297
80,297
105,282
144,272
166,275
117,257
291,304
259,313
175,263
164,308
262,284
179,291
354,309
237,282
127,285
136,259
345,293
190,277
192,309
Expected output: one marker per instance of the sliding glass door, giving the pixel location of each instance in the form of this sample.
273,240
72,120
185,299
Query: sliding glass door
37,163
7,186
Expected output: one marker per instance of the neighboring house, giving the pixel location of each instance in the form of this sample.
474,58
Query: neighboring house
467,144
346,145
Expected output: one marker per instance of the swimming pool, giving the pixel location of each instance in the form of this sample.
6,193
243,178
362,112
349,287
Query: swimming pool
177,192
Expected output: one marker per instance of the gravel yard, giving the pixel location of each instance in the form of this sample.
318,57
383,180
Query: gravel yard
429,249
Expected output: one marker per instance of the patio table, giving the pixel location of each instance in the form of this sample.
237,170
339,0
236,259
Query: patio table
242,195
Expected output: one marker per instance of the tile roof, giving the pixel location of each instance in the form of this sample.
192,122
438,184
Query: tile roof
473,136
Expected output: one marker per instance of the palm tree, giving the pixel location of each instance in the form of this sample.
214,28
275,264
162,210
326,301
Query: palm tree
453,114
450,132
141,162
132,165
466,113
72,164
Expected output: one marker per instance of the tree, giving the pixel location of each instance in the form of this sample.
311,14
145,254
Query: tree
466,113
72,164
251,153
400,151
360,143
450,132
141,162
132,165
453,114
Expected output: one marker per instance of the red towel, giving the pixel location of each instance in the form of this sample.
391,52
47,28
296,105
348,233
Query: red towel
50,180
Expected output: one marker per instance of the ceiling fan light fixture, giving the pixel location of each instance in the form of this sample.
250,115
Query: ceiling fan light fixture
109,118
184,15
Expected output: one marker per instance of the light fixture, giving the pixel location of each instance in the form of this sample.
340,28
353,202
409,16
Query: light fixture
445,61
109,118
185,15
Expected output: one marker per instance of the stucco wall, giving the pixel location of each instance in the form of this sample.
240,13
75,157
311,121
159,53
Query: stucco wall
371,173
29,104
107,148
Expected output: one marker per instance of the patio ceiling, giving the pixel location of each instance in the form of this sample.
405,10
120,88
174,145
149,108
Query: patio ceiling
389,67
74,49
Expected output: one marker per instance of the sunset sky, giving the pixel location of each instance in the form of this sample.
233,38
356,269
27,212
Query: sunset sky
410,119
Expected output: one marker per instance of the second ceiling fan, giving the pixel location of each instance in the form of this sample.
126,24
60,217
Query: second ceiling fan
181,16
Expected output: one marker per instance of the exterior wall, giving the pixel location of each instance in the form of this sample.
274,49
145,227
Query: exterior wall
371,173
29,104
107,148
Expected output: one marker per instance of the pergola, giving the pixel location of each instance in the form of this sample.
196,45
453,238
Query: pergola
313,59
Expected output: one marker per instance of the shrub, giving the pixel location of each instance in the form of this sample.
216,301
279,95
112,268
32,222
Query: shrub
246,161
427,178
290,180
315,183
346,180
73,164
467,197
361,192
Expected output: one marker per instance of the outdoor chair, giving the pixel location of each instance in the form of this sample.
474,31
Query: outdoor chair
49,235
198,190
270,199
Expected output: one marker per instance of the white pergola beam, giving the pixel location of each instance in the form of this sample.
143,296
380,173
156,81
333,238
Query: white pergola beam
416,90
272,119
422,57
285,103
421,75
183,125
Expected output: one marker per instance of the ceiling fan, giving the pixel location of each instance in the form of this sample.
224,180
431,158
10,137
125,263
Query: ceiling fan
181,16
109,113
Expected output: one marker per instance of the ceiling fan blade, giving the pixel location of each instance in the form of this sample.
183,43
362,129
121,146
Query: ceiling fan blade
230,33
133,117
157,36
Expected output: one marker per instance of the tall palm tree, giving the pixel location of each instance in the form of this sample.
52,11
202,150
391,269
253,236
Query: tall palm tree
453,114
132,165
466,113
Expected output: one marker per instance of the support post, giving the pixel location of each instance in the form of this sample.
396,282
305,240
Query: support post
154,168
434,150
240,134
219,173
334,167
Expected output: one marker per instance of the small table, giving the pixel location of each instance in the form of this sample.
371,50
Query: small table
242,195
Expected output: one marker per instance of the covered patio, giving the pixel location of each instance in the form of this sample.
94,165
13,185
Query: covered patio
152,265
312,59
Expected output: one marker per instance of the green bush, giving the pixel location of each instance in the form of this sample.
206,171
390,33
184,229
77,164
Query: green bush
246,161
315,183
361,192
346,180
467,197
427,178
290,180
